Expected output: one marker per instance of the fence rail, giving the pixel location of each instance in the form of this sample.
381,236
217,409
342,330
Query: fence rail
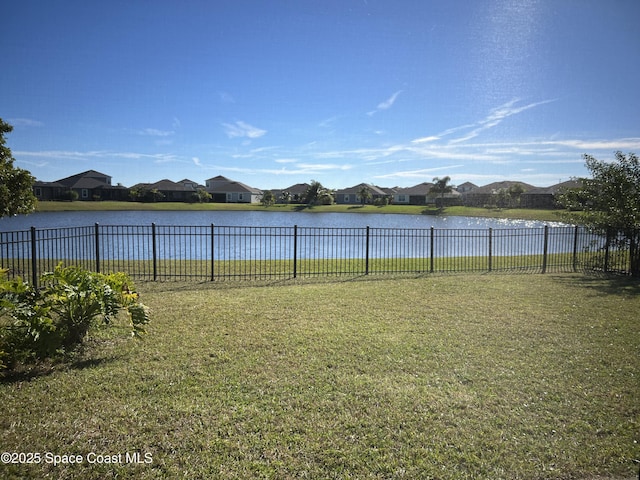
212,252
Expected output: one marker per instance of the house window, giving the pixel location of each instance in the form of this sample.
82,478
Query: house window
402,198
38,192
346,199
85,193
241,196
229,197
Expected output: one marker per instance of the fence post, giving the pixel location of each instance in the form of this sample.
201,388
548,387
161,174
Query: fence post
366,260
545,249
212,253
431,250
575,248
490,247
97,237
34,259
154,251
295,251
607,245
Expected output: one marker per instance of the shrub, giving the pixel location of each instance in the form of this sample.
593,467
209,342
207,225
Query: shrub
56,319
27,330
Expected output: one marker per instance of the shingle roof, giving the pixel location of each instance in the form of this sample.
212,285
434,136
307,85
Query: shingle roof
420,189
553,189
495,186
235,187
356,189
74,180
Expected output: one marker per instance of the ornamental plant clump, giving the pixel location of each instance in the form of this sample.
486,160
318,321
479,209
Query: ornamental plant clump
45,323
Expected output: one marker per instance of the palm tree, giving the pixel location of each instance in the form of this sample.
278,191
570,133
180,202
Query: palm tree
441,187
314,193
286,197
364,193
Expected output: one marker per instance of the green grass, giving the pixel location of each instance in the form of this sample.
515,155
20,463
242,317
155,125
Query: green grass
441,376
284,269
519,213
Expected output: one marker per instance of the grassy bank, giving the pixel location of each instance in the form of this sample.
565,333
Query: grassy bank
515,213
448,377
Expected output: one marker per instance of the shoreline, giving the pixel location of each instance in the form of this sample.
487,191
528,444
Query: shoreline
506,213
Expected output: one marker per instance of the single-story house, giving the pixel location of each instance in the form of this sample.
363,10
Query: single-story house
416,195
489,194
164,191
224,190
351,195
421,194
293,194
546,197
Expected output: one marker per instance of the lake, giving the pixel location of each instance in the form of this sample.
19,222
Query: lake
258,219
263,237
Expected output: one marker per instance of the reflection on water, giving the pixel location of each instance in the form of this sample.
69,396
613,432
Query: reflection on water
257,219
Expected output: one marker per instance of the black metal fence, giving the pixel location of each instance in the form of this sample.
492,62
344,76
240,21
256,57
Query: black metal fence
155,252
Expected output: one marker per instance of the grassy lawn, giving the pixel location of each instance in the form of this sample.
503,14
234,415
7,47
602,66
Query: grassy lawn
445,376
515,213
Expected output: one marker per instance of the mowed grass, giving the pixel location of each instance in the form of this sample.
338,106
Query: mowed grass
513,213
444,376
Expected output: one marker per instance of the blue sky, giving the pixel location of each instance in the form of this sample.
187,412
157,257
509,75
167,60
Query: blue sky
272,93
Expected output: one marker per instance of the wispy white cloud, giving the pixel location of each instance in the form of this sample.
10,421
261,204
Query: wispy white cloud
24,122
328,122
431,138
294,169
623,144
421,173
242,129
154,132
387,104
196,161
495,117
96,154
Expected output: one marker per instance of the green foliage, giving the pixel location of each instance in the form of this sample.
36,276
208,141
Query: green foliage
609,201
611,197
16,184
69,196
27,327
317,194
145,194
365,195
200,196
56,319
268,198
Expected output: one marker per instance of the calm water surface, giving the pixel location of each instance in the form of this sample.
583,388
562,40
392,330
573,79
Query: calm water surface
256,219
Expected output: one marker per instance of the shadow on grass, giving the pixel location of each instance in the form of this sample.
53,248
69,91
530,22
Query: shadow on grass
432,211
603,283
25,373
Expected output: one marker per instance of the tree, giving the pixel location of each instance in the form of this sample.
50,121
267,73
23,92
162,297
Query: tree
16,184
286,197
316,194
365,194
268,198
515,191
203,196
441,187
609,201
